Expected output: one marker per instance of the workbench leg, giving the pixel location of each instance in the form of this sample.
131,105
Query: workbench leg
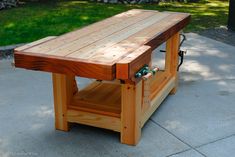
171,62
75,87
131,113
63,88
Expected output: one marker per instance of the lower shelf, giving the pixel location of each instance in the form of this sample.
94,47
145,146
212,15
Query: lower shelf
100,98
99,104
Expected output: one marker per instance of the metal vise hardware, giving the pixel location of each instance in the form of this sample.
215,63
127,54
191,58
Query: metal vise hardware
144,71
181,53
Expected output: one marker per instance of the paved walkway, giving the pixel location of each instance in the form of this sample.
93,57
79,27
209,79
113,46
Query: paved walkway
198,121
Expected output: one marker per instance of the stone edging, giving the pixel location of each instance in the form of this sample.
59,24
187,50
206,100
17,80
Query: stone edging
7,51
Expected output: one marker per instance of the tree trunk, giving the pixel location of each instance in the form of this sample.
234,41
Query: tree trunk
231,16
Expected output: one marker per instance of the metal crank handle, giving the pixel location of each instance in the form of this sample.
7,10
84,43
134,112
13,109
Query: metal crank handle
150,74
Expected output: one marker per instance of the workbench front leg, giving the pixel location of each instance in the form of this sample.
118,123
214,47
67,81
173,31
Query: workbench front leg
171,61
63,88
131,113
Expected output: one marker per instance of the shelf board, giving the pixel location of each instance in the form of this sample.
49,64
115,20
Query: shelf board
100,98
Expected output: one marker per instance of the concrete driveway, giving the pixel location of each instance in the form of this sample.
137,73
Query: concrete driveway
199,120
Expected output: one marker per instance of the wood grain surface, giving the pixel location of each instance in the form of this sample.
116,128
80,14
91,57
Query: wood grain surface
95,50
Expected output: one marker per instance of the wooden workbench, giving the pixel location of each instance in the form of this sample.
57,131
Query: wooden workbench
110,51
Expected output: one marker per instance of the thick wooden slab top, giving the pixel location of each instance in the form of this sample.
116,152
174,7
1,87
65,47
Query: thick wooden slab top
94,51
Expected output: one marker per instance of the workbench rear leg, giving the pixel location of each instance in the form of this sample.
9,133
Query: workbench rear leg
131,113
75,87
171,61
63,88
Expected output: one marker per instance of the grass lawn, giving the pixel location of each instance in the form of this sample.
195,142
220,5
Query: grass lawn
35,20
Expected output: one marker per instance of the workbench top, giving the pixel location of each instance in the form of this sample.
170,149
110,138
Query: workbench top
94,51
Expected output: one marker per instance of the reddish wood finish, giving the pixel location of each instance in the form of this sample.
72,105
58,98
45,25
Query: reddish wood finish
127,67
95,51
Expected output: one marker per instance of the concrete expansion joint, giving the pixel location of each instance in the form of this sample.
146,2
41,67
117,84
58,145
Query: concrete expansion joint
215,141
178,139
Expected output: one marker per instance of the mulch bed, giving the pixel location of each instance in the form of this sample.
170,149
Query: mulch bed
220,34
